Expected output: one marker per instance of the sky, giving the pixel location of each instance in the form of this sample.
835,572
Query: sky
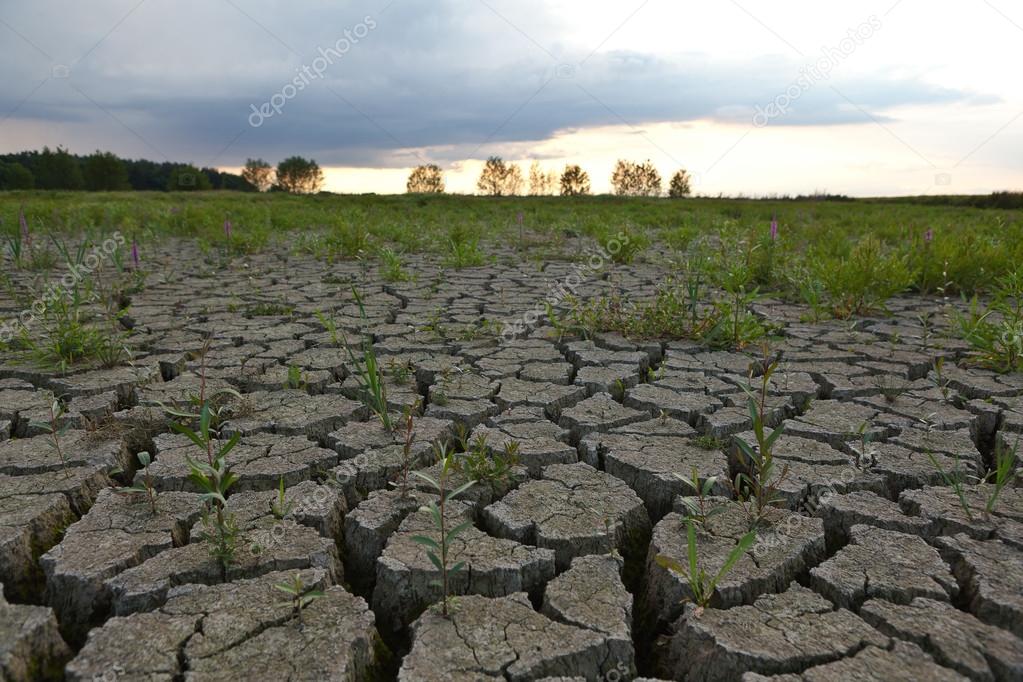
757,97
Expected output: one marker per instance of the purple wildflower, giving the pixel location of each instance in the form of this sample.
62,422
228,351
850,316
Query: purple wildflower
774,229
135,260
227,228
518,218
928,235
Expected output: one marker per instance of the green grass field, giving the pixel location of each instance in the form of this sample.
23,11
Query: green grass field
926,248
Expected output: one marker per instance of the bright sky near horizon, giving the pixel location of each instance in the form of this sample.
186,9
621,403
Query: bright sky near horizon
788,96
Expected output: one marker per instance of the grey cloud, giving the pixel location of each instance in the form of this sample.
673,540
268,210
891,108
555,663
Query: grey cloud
452,77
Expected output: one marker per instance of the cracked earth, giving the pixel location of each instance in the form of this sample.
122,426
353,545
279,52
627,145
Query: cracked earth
870,568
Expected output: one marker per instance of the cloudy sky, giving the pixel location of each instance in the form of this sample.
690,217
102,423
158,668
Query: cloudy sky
755,96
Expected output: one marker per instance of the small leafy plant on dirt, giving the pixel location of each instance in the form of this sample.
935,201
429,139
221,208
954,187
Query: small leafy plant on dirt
280,505
890,386
865,453
296,380
56,426
408,431
1005,473
996,331
702,584
391,266
700,509
301,596
757,486
481,463
956,480
860,278
439,550
367,371
146,486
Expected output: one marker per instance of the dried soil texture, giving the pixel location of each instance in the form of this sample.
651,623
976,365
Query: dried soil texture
871,566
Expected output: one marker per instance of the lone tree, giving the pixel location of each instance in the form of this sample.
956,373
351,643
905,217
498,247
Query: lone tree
259,174
542,183
499,179
574,181
426,179
636,179
299,176
103,171
679,186
187,178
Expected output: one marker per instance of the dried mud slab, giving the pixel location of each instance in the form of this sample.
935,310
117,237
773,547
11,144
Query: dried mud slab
787,545
31,647
294,413
120,531
955,639
651,463
778,633
574,510
942,507
883,564
260,461
501,639
494,567
991,573
591,595
265,544
229,631
599,412
841,512
904,661
38,455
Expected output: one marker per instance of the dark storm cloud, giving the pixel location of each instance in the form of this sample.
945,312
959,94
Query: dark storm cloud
181,79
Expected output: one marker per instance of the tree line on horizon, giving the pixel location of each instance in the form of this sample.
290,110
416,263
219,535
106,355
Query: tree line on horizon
499,178
59,169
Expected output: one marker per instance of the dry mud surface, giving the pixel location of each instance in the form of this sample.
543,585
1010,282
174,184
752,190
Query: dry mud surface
870,569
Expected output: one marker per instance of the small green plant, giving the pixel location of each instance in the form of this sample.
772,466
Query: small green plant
860,278
464,251
940,382
56,426
955,479
996,332
296,379
367,372
890,386
301,596
865,453
702,584
1005,473
485,465
758,485
708,442
145,487
401,371
280,505
391,267
700,509
439,550
408,427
